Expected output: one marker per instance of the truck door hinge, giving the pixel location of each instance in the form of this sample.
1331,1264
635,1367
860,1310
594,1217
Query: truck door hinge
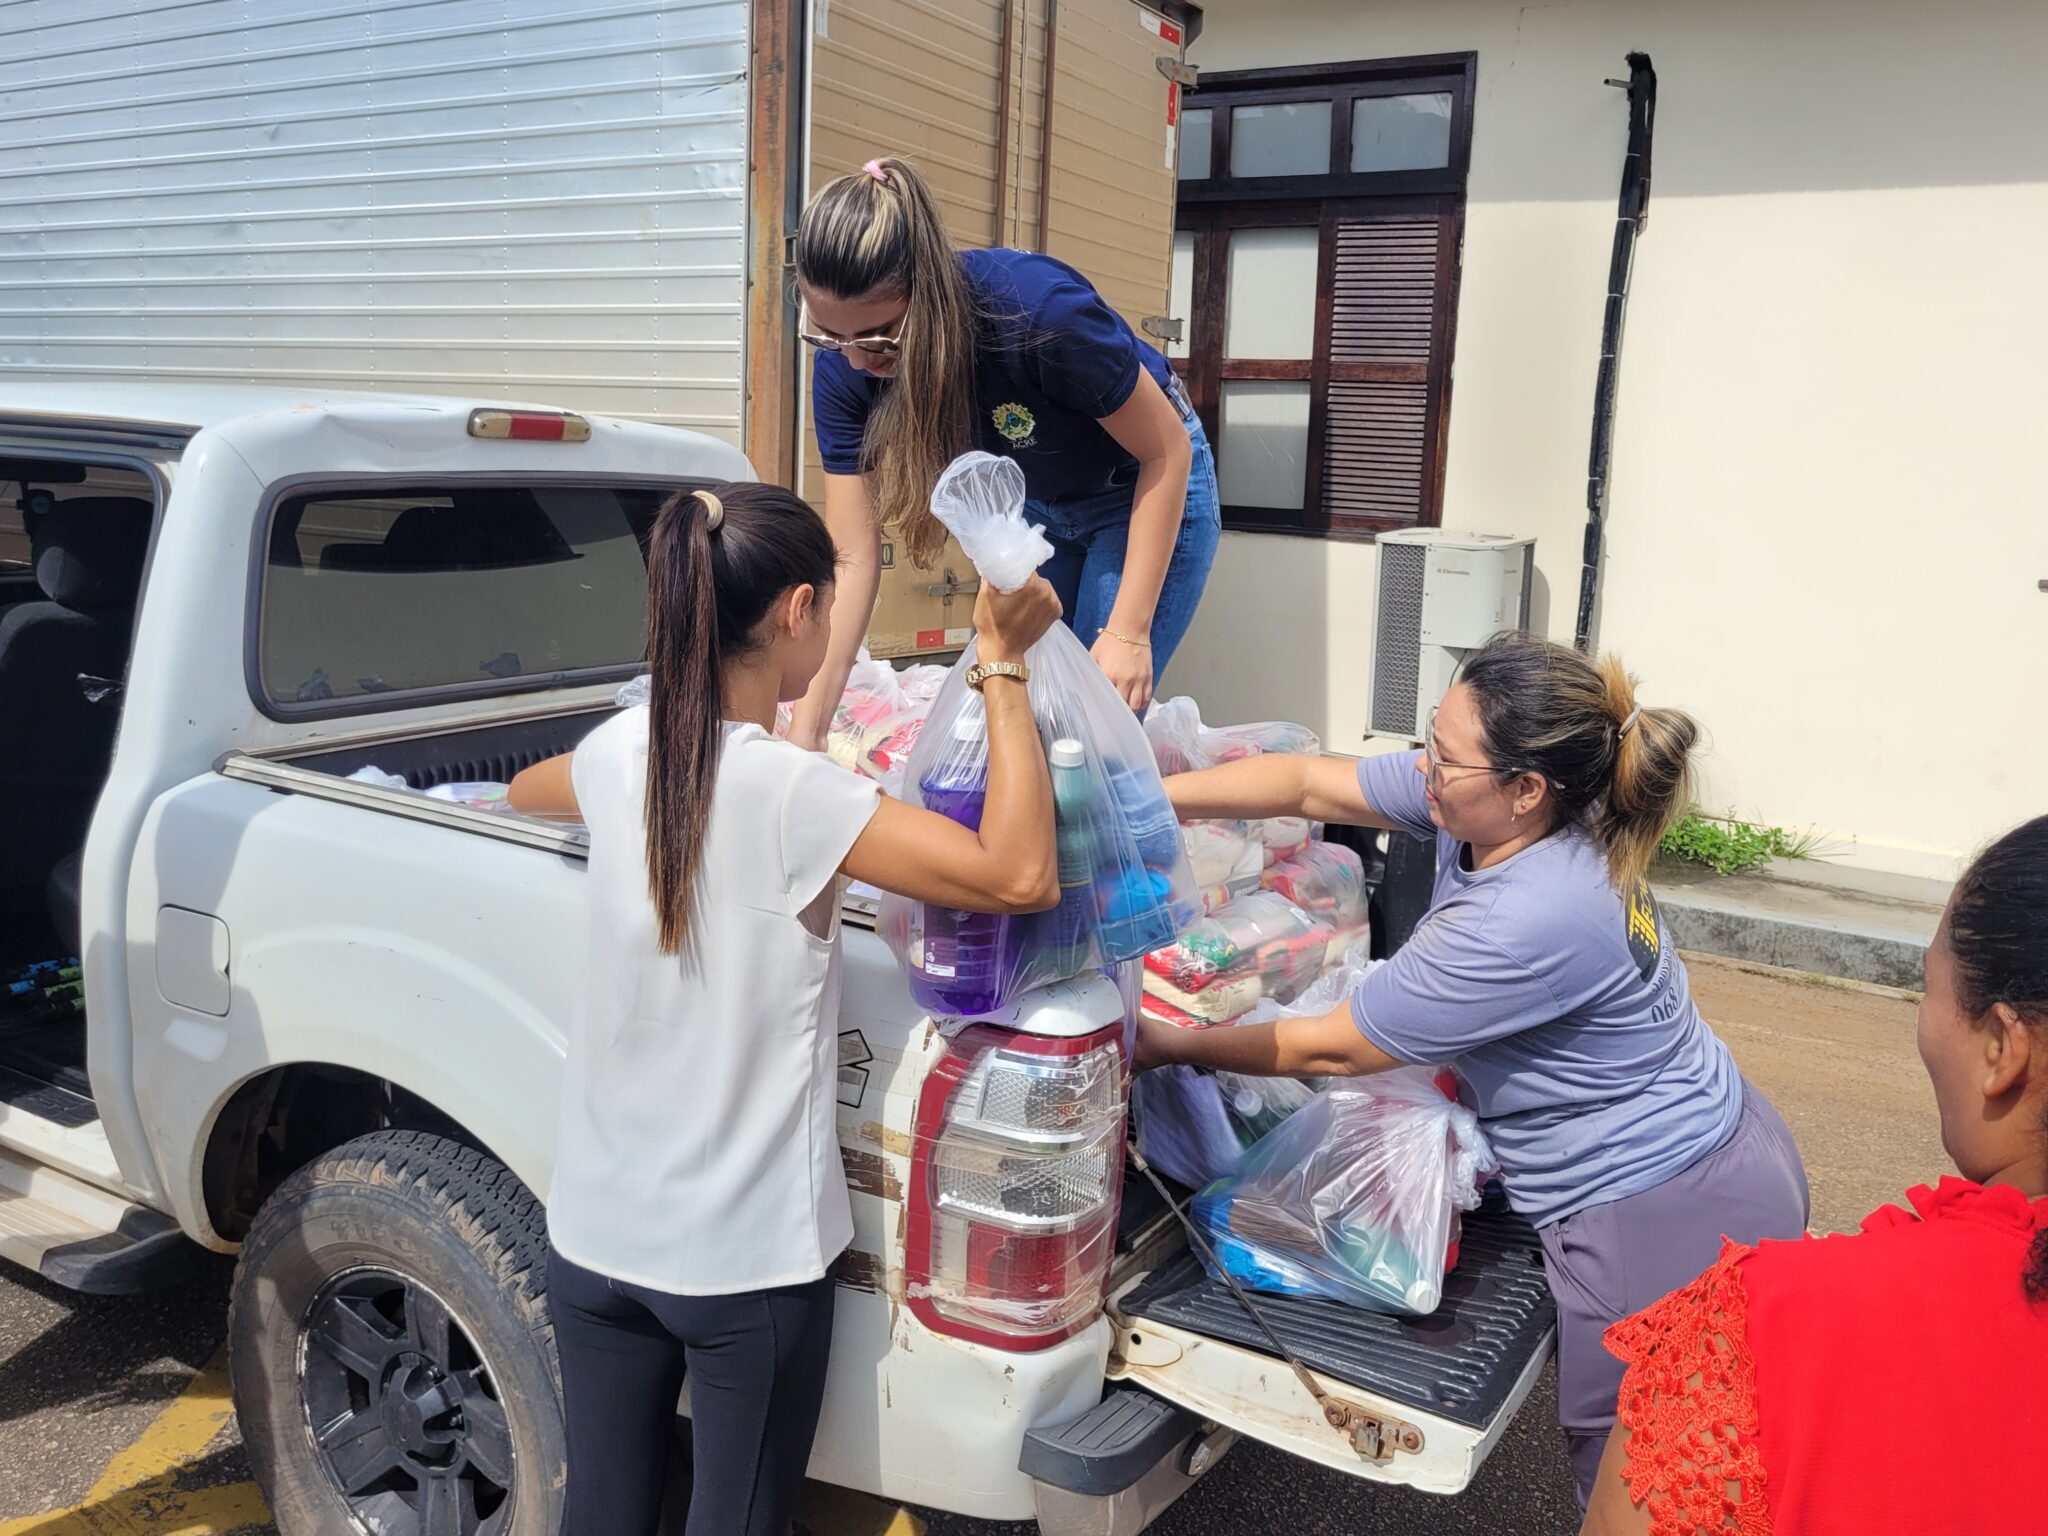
1183,75
952,586
1163,328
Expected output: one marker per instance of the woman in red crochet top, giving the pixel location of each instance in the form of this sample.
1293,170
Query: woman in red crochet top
1896,1380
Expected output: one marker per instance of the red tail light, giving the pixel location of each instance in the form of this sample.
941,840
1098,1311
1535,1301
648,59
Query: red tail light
1016,1174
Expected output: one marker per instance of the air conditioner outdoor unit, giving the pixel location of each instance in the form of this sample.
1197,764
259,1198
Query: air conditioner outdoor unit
1441,597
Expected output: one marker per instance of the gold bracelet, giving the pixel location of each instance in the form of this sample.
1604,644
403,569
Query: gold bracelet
1142,645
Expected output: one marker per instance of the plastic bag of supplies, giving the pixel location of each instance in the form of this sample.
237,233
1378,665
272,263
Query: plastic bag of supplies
1355,1197
1125,885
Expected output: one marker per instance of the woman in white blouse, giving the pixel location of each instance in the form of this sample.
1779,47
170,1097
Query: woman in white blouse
698,1197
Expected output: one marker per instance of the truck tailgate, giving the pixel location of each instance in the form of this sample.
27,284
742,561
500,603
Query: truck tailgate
1454,1378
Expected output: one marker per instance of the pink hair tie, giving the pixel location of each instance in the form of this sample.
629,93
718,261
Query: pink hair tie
874,169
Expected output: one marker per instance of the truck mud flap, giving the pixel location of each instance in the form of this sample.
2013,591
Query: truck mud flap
1461,1363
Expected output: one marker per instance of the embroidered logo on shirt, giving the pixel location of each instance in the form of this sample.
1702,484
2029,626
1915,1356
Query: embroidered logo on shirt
1644,941
1015,422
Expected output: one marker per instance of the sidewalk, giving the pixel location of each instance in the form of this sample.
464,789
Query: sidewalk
1805,915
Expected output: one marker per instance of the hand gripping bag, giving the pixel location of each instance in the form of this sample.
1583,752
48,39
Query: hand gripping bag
1125,885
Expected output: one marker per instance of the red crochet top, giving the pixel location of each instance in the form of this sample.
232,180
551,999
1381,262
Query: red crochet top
1896,1380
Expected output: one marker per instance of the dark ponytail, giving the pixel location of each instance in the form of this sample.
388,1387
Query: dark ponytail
1998,935
1622,772
716,562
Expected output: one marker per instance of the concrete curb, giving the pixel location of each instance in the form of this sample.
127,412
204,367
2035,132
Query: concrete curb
1794,946
1804,919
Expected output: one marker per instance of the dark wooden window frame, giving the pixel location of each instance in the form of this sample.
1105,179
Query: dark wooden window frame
1213,207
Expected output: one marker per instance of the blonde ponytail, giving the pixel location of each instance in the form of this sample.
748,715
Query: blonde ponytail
1652,782
879,232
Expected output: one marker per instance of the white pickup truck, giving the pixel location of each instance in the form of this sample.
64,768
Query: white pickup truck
322,1019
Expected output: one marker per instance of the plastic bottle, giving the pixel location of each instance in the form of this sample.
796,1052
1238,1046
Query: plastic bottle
45,974
1068,930
958,959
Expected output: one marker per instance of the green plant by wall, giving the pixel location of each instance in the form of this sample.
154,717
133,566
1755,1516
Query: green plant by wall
1730,847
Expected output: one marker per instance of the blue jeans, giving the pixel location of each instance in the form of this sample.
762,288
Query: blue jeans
1090,534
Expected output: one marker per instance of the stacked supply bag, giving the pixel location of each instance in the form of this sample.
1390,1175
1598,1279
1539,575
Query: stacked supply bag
1195,1126
879,718
1261,947
1282,905
1229,858
1125,884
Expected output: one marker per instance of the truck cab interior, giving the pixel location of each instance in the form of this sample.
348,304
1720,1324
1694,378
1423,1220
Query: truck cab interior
73,538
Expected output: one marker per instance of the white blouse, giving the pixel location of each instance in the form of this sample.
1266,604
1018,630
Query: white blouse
699,1151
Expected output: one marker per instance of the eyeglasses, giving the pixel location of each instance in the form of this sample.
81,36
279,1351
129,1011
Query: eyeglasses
1436,764
875,345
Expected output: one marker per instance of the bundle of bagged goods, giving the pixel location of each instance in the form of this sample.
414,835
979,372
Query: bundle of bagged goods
1282,905
1125,885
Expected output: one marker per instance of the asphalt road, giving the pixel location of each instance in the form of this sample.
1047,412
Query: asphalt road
81,1378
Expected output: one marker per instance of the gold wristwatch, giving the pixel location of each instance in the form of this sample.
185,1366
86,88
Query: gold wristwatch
976,676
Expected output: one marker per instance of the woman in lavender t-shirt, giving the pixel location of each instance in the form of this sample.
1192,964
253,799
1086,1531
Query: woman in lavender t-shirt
1544,974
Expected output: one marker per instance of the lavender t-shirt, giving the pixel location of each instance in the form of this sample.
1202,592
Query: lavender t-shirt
1563,1007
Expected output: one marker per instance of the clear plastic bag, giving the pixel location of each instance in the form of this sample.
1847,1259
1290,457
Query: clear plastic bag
980,499
1337,982
1354,1197
1228,743
1174,728
1227,861
1183,743
1180,1119
883,751
1283,837
1261,939
878,719
1125,885
1257,1105
478,795
1325,880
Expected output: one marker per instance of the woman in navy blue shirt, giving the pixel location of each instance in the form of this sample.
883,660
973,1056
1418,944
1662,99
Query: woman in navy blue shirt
925,352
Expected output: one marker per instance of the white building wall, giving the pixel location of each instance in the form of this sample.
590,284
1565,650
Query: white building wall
1829,511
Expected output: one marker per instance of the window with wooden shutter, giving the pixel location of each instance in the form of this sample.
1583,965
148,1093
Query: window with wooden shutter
1316,267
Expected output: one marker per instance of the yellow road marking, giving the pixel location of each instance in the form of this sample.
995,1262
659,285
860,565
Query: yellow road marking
830,1511
138,1494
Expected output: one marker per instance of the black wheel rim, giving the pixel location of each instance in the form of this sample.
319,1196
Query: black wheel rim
403,1411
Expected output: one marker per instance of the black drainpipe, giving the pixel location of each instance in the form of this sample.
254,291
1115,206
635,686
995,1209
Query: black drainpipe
1641,86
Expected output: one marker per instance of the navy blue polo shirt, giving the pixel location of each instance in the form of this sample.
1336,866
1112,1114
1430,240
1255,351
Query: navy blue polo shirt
1051,359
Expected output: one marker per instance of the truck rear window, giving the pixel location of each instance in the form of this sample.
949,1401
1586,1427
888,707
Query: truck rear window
451,589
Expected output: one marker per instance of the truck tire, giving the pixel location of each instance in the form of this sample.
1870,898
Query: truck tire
393,1362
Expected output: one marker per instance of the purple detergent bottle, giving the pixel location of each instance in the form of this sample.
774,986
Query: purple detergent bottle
958,960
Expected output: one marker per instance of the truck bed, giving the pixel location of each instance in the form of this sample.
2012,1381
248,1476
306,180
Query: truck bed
478,754
1460,1363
